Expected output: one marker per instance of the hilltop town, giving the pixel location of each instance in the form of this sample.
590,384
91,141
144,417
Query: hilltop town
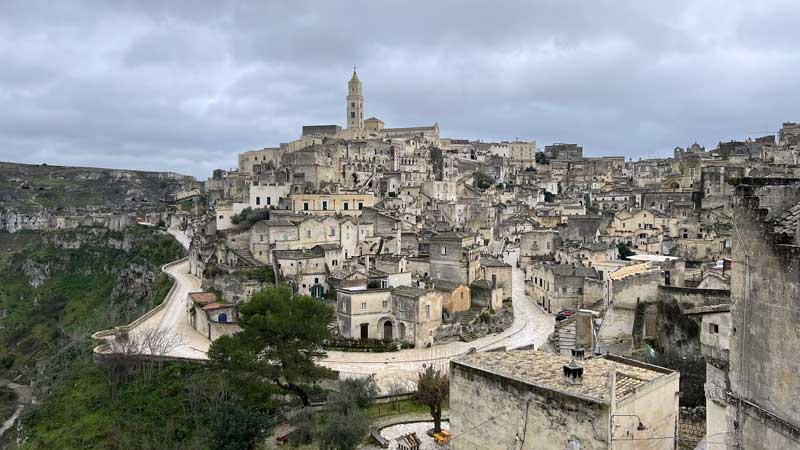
557,289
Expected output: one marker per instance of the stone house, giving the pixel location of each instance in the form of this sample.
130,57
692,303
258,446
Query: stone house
418,313
210,317
349,204
498,273
454,256
532,399
403,313
486,296
560,286
634,228
268,195
456,297
305,270
538,245
365,314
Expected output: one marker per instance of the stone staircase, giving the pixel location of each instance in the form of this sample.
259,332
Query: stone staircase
565,336
246,256
466,320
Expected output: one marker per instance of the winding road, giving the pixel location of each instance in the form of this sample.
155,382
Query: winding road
171,315
393,371
398,370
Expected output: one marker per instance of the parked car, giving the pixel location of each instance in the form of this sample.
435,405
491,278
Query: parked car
563,314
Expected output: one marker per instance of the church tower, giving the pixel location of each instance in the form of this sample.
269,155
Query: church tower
355,103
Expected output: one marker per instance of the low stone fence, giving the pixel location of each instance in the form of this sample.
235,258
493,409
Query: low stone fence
104,335
691,427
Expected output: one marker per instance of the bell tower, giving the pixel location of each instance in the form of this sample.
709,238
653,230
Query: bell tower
355,103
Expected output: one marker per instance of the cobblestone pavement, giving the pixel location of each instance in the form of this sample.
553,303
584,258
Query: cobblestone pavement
399,369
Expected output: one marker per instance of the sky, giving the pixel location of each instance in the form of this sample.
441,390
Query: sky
186,85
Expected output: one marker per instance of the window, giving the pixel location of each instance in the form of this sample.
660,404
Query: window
427,311
258,200
324,205
316,280
333,231
713,328
580,291
352,104
386,304
346,206
221,216
363,306
563,289
308,233
352,115
360,205
269,200
305,206
444,250
384,284
334,263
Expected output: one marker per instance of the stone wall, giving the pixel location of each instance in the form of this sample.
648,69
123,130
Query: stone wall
489,412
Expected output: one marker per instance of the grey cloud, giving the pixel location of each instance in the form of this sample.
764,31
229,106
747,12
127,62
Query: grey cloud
185,85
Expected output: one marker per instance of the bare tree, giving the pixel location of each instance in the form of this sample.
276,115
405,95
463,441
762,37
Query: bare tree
433,388
396,389
143,350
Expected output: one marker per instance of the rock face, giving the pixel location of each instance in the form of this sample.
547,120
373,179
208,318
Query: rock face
33,197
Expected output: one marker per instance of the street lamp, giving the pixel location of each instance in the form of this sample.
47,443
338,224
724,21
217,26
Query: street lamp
640,427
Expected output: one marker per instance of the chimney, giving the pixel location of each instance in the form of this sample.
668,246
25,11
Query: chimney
573,373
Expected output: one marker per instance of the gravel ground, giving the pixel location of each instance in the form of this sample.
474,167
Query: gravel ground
421,428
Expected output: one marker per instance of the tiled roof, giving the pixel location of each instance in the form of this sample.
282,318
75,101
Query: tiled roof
786,222
489,262
545,370
451,235
203,297
568,270
443,285
627,271
409,291
297,254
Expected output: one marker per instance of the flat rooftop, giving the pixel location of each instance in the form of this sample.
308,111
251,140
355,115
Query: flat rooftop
545,370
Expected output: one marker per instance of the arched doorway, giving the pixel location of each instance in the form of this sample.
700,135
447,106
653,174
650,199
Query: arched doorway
222,317
387,331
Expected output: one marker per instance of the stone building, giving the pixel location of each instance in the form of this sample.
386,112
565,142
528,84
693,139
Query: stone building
355,103
454,256
349,204
563,152
538,245
403,313
365,313
562,286
751,387
499,274
529,399
304,270
210,317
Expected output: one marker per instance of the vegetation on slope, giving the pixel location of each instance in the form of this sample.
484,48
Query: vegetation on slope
56,289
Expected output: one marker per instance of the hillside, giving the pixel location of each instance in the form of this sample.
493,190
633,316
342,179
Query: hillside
29,188
58,287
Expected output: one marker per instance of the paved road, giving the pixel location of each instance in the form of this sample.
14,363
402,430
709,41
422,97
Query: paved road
392,370
187,342
182,341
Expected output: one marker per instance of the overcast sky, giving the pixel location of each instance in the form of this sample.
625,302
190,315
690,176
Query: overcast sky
187,85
